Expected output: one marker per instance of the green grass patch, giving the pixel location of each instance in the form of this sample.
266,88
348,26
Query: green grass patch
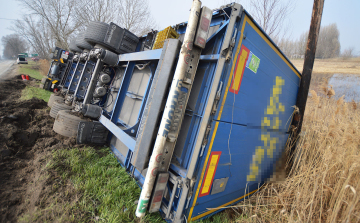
31,92
31,69
108,192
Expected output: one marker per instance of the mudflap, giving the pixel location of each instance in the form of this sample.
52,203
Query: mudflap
47,85
91,133
51,85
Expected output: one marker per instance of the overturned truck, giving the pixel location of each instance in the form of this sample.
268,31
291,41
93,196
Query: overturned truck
198,113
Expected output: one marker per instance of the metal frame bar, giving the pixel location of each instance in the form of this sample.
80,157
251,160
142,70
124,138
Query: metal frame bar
80,78
118,133
122,92
143,55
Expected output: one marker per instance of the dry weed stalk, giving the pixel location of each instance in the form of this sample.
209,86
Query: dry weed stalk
44,66
324,182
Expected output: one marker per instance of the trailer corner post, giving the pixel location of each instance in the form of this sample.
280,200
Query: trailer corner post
309,60
171,102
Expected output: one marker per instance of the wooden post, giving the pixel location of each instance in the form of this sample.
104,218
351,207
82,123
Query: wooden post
309,61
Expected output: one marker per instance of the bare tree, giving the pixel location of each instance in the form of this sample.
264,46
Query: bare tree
271,14
135,16
348,52
58,15
97,10
288,47
13,45
37,33
301,43
328,43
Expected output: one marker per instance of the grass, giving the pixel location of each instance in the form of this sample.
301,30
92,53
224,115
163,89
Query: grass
31,69
35,92
107,192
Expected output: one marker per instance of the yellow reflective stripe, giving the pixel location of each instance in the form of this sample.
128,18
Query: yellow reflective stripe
224,205
210,173
54,82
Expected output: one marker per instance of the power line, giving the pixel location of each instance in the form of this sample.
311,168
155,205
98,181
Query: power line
10,19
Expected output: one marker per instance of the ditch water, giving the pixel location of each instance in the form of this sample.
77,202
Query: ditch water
346,84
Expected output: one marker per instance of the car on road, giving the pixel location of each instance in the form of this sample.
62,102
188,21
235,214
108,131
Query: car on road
21,59
35,59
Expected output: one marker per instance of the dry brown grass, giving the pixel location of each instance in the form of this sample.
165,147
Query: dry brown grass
44,66
335,65
324,182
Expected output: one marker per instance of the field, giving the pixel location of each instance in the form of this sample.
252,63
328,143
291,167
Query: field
49,178
331,66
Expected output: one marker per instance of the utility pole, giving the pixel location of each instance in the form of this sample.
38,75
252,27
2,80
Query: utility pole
308,62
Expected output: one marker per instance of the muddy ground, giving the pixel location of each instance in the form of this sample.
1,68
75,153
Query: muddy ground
26,140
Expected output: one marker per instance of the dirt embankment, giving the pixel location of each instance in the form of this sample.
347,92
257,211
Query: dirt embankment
26,140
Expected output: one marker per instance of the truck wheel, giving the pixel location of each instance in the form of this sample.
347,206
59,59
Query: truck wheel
66,124
81,42
53,98
73,47
43,80
57,106
95,32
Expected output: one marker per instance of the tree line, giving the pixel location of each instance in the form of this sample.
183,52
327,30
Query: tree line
328,45
50,23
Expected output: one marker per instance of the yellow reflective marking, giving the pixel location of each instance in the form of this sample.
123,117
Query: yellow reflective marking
239,70
210,173
224,205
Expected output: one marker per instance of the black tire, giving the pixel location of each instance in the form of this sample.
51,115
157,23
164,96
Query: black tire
81,42
41,86
95,32
73,47
43,80
66,124
53,98
57,106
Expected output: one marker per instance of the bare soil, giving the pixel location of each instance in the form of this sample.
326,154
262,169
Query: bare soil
26,141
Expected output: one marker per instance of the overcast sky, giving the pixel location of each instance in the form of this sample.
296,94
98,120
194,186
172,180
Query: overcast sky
345,13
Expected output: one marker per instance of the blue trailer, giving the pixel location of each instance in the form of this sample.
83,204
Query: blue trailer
208,139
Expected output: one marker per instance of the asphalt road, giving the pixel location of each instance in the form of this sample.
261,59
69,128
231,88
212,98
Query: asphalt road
5,65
